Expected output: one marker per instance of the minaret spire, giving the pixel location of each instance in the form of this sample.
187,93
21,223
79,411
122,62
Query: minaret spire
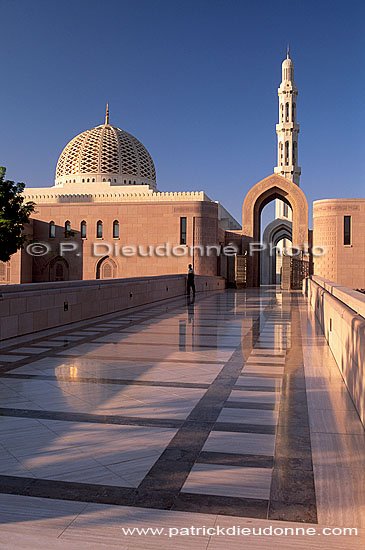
288,129
107,114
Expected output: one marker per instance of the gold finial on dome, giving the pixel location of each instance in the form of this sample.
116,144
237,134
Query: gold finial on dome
287,53
107,114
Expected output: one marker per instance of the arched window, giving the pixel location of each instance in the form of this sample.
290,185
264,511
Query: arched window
293,112
58,269
51,230
106,268
281,153
88,180
93,179
287,153
286,112
99,229
83,229
68,226
104,179
294,152
115,229
282,112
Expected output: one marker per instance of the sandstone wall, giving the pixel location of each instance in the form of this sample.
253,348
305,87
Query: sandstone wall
32,307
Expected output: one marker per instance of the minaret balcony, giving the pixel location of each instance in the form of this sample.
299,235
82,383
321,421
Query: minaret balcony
282,126
290,168
287,86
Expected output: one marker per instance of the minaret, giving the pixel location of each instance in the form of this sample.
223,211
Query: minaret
287,131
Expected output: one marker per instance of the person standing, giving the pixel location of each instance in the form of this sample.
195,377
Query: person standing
191,280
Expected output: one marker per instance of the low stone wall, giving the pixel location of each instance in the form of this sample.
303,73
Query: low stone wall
27,308
341,312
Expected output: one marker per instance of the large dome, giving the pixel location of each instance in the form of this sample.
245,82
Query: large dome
105,154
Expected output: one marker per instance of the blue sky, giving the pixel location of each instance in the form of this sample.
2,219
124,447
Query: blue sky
195,81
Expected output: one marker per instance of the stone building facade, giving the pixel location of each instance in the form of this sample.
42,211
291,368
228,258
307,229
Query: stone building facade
105,218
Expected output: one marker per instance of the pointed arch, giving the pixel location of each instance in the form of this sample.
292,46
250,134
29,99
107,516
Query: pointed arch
275,231
58,269
270,188
115,229
106,268
83,229
99,229
51,230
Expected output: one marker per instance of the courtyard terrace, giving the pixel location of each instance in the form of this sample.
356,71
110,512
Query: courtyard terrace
227,410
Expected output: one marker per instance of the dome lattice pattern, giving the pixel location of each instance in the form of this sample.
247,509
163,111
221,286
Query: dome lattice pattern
106,150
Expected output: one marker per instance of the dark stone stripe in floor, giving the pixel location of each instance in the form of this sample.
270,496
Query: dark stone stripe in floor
223,505
126,496
292,495
236,459
286,463
243,428
93,418
249,405
305,513
66,490
117,381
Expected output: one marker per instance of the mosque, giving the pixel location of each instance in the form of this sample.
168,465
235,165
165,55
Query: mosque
105,218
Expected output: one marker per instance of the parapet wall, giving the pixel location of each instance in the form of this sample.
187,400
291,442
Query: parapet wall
28,308
341,313
80,194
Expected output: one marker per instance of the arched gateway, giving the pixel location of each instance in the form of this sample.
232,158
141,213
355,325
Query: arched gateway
274,232
268,189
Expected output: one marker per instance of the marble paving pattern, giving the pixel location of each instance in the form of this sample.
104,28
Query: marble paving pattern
228,405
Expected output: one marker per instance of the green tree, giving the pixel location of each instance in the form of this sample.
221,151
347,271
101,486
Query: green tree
14,214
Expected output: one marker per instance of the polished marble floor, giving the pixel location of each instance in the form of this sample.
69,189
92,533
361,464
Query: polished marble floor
229,406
